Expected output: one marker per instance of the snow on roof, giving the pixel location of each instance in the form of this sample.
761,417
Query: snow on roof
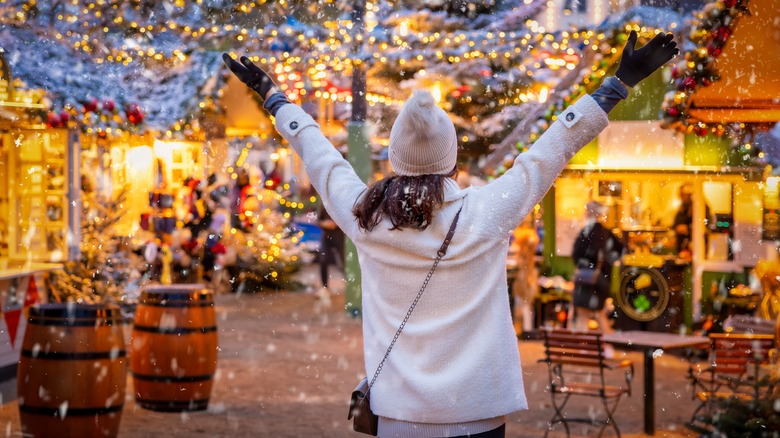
166,95
41,61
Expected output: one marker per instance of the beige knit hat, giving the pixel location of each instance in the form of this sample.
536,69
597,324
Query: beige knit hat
423,139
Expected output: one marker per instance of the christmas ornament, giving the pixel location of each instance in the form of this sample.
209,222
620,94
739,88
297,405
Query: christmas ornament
90,105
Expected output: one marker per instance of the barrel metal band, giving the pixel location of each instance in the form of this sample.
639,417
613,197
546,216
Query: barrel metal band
175,330
153,302
91,355
173,406
55,412
173,379
36,320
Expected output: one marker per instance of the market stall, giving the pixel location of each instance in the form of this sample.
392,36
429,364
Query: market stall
641,210
707,174
38,193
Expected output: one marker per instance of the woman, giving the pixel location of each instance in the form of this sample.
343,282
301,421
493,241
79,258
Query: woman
455,370
595,248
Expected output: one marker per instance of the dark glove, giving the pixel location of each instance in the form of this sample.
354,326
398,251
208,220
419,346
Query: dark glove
636,65
250,74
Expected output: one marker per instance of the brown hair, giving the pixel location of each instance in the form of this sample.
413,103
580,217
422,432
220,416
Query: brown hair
408,201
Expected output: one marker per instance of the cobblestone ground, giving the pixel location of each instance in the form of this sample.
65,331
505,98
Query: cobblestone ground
287,364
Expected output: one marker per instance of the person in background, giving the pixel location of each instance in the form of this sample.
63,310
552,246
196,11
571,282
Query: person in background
595,248
238,194
683,220
525,287
455,370
331,250
213,246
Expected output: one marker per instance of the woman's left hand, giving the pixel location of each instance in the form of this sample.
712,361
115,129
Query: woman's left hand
251,75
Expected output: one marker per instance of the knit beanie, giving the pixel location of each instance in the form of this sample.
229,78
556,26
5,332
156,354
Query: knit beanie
423,139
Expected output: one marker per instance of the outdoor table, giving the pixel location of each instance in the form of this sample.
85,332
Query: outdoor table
649,342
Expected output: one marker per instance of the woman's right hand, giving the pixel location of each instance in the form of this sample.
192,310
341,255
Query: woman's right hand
251,75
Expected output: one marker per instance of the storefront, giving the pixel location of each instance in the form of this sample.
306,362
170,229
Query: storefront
641,172
641,208
38,206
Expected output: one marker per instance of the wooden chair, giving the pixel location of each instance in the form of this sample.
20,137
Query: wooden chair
577,366
735,361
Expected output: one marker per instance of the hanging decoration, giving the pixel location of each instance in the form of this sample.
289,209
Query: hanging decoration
101,117
709,34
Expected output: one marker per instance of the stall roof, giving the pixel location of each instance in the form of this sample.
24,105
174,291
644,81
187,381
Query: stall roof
41,61
749,67
165,94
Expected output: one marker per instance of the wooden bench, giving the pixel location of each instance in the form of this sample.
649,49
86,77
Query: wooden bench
577,365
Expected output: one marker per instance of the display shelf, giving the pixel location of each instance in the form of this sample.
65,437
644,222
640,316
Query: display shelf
37,190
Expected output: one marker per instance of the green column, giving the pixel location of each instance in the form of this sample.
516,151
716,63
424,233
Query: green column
358,152
359,155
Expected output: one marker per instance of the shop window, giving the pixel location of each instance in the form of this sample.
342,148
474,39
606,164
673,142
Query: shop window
719,228
37,193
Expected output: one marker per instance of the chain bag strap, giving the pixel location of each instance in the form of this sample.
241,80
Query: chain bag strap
360,407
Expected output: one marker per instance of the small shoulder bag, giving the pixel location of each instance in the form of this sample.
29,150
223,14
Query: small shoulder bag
365,421
589,276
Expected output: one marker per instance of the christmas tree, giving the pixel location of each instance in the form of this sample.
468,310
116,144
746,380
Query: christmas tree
107,271
266,248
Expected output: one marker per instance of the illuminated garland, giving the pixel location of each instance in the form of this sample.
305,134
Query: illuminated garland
91,27
710,33
592,78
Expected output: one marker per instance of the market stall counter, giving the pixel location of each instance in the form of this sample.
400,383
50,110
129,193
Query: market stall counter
22,284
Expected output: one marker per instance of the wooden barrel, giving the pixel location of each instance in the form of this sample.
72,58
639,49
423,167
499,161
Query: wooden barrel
173,352
72,371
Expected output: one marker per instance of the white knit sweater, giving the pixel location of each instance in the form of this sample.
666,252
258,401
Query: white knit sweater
457,359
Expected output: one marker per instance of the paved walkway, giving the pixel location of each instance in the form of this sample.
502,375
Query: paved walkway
287,365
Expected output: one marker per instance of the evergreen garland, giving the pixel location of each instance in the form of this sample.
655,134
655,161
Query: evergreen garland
709,34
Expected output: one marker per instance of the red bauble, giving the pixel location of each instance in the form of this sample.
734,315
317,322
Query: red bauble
90,105
730,3
673,111
713,50
689,83
136,118
675,72
64,117
722,34
134,113
53,120
700,130
109,105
